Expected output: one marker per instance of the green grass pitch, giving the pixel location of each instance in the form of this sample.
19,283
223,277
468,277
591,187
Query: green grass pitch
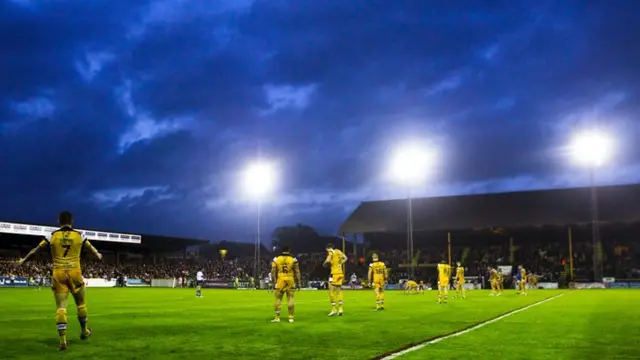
230,324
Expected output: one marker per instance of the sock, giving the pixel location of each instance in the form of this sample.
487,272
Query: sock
278,308
340,300
381,299
83,317
332,297
61,322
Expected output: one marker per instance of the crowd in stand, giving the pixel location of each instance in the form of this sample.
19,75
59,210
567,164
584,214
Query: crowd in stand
548,261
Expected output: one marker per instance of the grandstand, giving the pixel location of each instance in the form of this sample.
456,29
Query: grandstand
513,225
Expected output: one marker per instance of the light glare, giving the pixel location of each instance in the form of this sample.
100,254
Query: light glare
260,179
411,164
592,148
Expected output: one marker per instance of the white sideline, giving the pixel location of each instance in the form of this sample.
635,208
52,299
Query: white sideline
476,327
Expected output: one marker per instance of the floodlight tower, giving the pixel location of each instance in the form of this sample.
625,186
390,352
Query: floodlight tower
593,149
259,182
410,165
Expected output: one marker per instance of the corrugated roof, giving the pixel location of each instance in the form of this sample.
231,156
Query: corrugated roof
513,209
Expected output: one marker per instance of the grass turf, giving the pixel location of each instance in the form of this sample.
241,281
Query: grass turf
164,324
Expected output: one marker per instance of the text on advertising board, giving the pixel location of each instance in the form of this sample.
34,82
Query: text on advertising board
40,230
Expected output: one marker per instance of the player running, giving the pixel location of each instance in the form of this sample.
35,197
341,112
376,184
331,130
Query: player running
460,292
444,273
66,245
286,271
199,283
378,278
521,277
335,259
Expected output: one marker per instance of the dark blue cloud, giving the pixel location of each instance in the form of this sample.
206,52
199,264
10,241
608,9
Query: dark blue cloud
139,116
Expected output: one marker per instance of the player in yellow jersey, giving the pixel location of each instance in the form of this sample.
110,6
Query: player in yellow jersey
460,292
444,274
493,280
66,245
421,287
286,272
378,279
411,287
335,259
521,277
533,281
500,284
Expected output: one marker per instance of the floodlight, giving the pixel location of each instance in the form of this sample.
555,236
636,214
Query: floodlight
411,163
593,148
260,179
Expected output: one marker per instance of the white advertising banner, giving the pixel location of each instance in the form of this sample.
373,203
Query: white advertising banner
99,282
608,280
587,286
43,230
547,285
165,283
469,286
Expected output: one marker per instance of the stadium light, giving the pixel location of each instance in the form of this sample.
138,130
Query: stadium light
592,148
411,164
260,179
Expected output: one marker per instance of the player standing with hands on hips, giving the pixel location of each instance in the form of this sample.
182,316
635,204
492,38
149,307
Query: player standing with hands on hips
66,245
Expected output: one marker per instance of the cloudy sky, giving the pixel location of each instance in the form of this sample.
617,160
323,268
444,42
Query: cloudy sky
139,115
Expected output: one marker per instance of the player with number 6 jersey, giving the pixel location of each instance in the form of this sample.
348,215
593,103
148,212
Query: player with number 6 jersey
286,272
66,245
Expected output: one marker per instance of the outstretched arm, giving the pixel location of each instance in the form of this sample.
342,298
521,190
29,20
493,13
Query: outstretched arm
93,250
44,243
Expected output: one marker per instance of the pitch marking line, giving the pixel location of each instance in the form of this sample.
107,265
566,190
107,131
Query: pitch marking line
438,339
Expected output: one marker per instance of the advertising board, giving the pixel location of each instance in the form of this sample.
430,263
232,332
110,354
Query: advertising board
165,283
217,284
43,230
95,283
547,285
7,281
587,285
137,283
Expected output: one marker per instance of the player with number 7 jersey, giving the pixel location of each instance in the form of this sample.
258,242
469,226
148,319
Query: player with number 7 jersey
66,246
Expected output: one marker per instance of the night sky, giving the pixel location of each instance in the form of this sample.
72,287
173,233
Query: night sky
139,115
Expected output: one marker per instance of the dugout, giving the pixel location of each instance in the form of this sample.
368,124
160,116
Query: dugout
513,219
